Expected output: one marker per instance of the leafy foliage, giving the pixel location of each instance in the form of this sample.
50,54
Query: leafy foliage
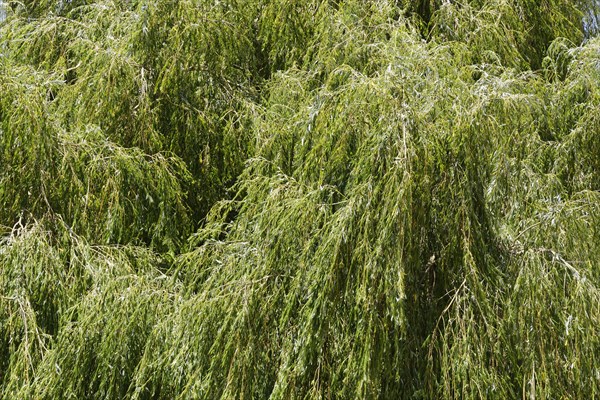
387,199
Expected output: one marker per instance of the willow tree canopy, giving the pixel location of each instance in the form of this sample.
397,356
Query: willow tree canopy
288,199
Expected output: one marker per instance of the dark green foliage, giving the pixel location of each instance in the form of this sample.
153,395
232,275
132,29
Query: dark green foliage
280,199
102,190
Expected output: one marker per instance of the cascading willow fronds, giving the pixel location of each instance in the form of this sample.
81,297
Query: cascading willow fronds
107,192
56,289
388,199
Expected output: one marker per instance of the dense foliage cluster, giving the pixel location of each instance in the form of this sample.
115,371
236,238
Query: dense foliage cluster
251,199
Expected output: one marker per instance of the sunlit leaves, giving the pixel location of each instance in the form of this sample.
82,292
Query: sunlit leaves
284,199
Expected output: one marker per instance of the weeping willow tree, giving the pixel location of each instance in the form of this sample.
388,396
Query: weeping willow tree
286,199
